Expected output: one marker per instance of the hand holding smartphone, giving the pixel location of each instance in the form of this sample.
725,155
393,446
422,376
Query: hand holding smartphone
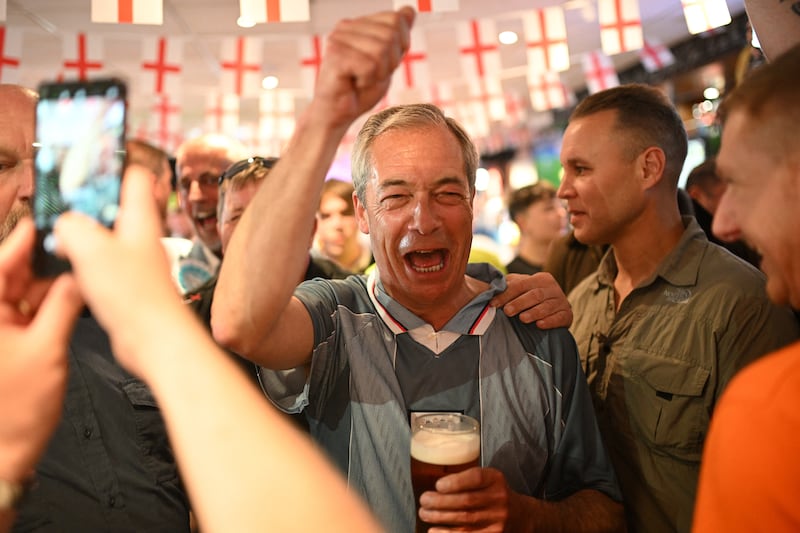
80,139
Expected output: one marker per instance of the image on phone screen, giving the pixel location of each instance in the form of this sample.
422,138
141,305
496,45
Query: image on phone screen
80,135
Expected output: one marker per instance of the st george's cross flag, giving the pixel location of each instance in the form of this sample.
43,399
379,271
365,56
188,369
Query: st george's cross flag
128,11
428,6
546,39
655,56
620,25
599,71
258,11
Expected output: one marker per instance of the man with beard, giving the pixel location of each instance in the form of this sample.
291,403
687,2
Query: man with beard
17,111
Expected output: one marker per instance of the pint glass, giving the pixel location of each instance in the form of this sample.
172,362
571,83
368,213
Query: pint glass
441,444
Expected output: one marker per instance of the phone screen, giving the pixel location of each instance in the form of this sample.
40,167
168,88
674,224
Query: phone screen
80,140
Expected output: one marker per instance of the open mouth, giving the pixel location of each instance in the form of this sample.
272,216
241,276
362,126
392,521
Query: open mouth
206,220
426,261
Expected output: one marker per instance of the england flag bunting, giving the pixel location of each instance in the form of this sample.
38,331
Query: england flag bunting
428,6
128,11
162,60
166,124
276,119
10,51
411,81
705,15
222,113
259,11
480,55
83,56
620,25
548,92
310,51
599,72
442,97
241,66
546,39
655,56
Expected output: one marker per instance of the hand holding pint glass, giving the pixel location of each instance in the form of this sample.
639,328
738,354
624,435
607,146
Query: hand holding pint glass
441,444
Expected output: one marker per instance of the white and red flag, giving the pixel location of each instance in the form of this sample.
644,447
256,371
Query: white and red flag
161,64
222,113
411,81
705,15
655,56
546,39
241,66
428,6
442,97
275,10
10,51
547,91
599,71
128,11
310,50
488,93
166,119
83,56
276,119
480,55
620,25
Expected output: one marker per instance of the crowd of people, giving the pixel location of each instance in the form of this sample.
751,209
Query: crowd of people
648,399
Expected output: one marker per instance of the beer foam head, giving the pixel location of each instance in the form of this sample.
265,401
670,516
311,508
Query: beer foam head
445,448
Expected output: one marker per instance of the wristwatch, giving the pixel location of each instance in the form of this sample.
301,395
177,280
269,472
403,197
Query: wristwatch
11,493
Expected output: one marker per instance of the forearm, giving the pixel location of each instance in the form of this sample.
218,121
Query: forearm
235,451
584,511
274,231
777,24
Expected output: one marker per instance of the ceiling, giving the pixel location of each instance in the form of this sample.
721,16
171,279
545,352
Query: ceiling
203,24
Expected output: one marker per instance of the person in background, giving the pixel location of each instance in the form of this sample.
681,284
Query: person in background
139,152
108,465
668,318
17,116
749,477
410,335
198,164
706,188
541,218
337,236
570,261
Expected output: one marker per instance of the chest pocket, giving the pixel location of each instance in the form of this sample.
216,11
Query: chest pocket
151,432
665,402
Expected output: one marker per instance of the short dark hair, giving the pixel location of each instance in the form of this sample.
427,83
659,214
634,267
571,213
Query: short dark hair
703,175
340,189
647,118
526,196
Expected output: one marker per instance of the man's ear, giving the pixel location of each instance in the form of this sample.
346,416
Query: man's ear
361,215
653,162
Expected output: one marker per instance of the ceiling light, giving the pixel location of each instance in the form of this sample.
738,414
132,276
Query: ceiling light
711,93
507,37
244,22
270,82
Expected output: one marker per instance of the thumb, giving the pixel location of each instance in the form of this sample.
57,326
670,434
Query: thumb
138,215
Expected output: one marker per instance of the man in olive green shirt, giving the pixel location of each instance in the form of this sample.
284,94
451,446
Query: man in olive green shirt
668,317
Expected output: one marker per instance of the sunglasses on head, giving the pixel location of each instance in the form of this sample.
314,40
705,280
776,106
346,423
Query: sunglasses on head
248,164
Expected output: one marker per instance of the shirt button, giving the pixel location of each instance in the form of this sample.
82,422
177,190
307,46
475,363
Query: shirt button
87,432
111,501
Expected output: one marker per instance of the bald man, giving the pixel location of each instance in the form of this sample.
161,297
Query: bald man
17,112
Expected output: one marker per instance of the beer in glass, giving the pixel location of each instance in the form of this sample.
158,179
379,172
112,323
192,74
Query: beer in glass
441,444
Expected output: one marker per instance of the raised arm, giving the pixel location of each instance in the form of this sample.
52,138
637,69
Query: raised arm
253,311
777,24
235,452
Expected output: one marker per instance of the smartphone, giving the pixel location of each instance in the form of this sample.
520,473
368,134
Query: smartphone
80,156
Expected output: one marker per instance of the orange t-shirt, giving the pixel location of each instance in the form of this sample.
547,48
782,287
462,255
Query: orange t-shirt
750,473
